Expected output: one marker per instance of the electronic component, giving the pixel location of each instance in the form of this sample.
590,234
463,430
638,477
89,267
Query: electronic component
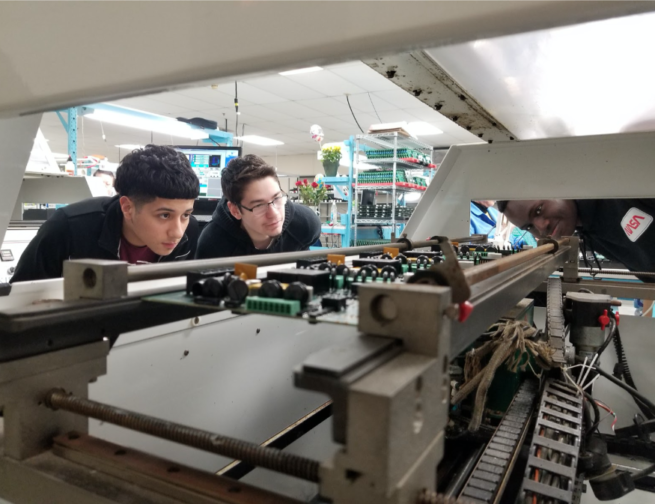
319,280
273,306
271,289
296,291
307,263
335,302
380,263
237,289
194,277
413,254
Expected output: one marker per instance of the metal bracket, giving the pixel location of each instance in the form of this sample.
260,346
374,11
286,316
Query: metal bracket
94,279
447,273
549,239
571,273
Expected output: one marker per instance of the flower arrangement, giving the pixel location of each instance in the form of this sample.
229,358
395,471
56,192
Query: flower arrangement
331,154
312,193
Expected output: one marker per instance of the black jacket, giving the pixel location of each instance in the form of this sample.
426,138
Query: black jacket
89,229
224,236
620,229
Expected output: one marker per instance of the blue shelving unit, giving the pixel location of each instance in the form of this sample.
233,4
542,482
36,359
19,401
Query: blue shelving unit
339,183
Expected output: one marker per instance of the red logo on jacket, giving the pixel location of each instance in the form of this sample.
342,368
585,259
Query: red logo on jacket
635,223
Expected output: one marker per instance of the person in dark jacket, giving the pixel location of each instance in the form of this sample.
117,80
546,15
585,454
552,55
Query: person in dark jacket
619,229
254,216
149,220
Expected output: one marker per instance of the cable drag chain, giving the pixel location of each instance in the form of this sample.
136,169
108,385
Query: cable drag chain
497,460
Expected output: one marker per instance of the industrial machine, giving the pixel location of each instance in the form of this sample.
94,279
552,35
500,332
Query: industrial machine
440,387
412,374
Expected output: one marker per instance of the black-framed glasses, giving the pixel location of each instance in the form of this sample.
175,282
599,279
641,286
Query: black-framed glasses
259,210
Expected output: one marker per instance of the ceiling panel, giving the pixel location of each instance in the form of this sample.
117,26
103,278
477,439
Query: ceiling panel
209,95
294,109
286,88
326,82
362,75
275,106
184,101
153,106
327,106
398,97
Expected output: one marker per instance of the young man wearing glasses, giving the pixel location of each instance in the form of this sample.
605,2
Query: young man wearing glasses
254,215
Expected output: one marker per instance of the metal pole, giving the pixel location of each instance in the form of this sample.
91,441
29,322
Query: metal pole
487,270
168,270
607,271
250,453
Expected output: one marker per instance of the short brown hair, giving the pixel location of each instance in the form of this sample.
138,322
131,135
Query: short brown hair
240,172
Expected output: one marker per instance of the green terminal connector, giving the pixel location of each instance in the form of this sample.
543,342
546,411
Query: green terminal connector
405,268
273,306
338,282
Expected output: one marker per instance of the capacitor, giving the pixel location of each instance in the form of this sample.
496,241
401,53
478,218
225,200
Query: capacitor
343,270
213,288
297,291
237,289
388,273
271,289
402,258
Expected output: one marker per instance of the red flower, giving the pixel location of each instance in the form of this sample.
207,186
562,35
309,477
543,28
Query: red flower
305,181
314,185
298,183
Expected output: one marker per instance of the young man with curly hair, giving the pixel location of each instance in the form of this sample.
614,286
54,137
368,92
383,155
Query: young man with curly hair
149,220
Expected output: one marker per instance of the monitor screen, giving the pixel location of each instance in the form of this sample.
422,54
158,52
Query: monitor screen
208,162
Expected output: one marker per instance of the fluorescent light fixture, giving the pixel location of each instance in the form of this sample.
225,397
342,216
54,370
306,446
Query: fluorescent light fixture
258,140
422,129
299,71
130,118
130,147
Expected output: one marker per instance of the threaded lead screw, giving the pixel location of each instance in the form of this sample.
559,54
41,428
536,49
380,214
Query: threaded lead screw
250,453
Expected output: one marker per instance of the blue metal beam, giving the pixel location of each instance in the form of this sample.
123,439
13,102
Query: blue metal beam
72,135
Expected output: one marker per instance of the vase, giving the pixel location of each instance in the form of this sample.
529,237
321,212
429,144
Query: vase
315,209
330,168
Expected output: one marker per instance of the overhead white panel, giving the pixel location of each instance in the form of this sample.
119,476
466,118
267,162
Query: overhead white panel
603,166
57,54
586,79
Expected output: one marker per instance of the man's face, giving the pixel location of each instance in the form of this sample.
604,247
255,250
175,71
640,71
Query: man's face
108,180
260,225
160,224
556,218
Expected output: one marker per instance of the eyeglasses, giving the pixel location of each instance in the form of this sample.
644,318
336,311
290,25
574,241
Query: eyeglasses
259,210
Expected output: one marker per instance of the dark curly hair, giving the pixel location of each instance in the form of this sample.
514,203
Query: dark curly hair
156,171
240,172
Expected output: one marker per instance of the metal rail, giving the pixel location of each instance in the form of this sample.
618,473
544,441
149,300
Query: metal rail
250,453
168,270
487,270
622,272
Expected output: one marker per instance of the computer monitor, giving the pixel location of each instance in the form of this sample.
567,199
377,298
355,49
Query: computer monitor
208,162
368,197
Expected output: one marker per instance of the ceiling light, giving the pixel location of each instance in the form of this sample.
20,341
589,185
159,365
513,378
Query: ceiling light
422,129
131,118
258,140
130,146
301,71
